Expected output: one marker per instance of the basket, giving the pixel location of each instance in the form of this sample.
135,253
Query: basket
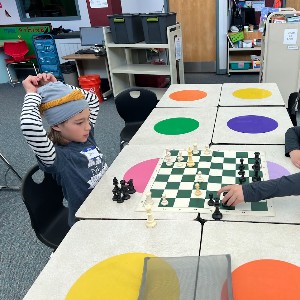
238,36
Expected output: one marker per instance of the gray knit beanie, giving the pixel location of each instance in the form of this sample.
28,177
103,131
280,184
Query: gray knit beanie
60,102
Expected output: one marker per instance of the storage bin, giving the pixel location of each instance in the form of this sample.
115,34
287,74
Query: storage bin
126,28
155,27
240,65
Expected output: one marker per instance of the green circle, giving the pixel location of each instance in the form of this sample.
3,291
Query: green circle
176,126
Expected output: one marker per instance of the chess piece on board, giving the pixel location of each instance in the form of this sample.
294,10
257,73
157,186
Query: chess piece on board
179,162
190,163
211,201
197,187
150,223
149,200
164,201
207,151
180,157
199,177
169,160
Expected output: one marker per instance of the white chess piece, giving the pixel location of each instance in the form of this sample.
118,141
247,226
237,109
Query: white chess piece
199,176
149,200
169,162
190,163
164,201
195,149
197,187
150,223
180,157
179,162
207,150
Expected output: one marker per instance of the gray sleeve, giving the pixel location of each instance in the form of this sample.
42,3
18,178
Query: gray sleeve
292,140
280,187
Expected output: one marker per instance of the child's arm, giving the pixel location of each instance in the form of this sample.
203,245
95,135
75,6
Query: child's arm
292,145
256,191
93,102
31,122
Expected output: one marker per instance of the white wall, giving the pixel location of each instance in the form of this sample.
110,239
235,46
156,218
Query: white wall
141,6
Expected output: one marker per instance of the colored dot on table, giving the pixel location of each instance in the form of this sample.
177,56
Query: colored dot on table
252,124
188,95
252,94
141,173
176,126
120,277
276,171
266,279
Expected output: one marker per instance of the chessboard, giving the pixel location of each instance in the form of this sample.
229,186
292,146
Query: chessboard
177,181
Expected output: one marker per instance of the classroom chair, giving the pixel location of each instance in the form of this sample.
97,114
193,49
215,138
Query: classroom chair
134,106
43,198
17,50
293,108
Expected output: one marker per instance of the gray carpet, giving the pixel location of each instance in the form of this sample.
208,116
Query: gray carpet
22,256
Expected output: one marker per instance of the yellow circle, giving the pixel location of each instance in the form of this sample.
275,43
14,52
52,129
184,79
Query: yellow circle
252,94
119,277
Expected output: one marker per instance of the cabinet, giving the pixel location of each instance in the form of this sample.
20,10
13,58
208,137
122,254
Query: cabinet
127,60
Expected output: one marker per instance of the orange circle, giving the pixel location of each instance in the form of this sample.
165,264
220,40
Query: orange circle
266,279
188,95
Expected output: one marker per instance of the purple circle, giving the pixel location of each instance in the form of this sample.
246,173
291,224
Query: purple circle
252,124
276,171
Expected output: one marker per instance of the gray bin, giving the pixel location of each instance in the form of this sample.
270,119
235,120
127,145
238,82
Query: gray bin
69,73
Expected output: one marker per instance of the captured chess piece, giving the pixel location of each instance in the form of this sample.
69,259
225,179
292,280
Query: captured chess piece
149,200
131,189
124,190
150,223
117,195
195,149
164,201
217,215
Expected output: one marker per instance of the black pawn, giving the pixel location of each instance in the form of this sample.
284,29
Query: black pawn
131,189
224,204
256,155
211,202
115,181
117,195
124,190
217,215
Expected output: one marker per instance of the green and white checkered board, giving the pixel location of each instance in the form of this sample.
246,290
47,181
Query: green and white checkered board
219,168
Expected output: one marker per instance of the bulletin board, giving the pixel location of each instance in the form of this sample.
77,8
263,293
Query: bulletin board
23,32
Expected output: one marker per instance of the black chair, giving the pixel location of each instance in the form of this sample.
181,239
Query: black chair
43,198
134,106
293,106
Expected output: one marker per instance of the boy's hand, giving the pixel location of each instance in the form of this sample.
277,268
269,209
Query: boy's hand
295,157
234,195
32,83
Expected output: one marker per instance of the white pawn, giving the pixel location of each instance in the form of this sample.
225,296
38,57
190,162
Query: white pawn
149,200
164,201
207,150
180,157
179,162
150,223
195,149
197,187
169,160
199,176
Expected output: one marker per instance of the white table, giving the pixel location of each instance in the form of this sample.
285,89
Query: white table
225,135
99,203
146,135
211,98
258,94
265,258
91,242
287,209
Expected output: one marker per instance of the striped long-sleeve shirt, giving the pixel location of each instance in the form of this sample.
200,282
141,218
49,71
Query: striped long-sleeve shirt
34,132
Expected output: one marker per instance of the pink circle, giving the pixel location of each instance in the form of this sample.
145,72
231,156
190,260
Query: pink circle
141,173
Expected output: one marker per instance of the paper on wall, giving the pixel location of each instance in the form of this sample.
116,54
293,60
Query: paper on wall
98,3
290,36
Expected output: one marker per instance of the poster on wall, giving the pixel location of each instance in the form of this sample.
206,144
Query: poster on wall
98,3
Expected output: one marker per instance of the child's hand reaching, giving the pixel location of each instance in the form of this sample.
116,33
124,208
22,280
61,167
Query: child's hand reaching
32,83
295,157
234,194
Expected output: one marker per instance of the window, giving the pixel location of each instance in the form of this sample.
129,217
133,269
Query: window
48,10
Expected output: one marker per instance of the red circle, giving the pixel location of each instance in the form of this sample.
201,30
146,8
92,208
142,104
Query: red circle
188,95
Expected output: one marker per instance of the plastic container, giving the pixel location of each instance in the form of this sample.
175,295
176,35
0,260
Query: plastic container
155,26
69,73
91,83
126,28
240,65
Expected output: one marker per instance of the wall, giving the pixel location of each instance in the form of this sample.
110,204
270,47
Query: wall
142,6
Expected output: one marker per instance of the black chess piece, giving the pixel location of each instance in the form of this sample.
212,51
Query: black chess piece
117,194
211,202
217,215
131,189
256,155
241,172
256,176
242,166
115,181
242,179
224,204
124,190
256,166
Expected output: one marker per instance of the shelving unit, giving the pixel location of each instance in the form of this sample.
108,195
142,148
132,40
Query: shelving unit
126,60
